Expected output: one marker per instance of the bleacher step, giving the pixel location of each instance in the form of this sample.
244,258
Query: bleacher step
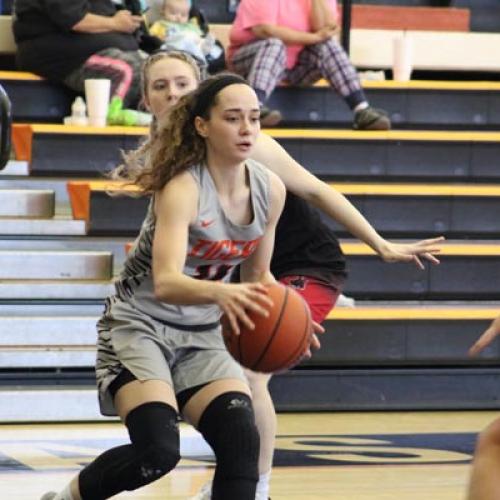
50,309
55,184
46,357
15,167
385,389
380,335
396,210
37,227
56,150
53,265
27,203
62,243
413,104
40,331
60,290
297,390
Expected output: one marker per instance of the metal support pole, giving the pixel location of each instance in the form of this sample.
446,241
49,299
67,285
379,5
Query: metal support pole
5,127
346,24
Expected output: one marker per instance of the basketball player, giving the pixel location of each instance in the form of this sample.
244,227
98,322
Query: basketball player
484,483
307,254
160,350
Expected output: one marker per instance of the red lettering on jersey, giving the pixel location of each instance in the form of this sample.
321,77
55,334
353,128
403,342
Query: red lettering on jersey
223,249
197,248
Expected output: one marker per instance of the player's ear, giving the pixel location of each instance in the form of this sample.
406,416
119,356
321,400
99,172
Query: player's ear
201,126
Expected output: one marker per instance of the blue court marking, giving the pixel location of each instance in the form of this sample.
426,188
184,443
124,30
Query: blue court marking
291,450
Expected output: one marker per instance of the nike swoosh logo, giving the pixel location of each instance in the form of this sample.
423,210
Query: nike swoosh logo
206,223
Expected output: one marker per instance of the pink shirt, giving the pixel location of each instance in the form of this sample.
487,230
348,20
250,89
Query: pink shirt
289,13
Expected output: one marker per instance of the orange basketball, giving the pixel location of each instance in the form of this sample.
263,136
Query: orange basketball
278,341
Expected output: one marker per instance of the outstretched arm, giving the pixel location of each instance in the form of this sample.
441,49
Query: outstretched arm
492,332
304,184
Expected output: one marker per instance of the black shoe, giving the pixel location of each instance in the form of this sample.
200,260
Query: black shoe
371,119
269,117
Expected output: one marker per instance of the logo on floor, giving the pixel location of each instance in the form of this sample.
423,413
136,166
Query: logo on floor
303,450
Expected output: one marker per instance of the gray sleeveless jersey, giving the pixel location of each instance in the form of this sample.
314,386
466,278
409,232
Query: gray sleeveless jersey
216,246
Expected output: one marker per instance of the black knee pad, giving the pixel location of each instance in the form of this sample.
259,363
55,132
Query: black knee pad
154,432
228,425
154,451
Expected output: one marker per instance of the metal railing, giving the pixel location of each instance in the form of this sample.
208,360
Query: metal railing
5,126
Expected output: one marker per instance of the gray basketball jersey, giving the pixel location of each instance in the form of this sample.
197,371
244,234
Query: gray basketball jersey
216,245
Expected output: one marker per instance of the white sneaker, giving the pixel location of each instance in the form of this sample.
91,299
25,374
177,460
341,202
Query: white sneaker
49,496
204,494
344,301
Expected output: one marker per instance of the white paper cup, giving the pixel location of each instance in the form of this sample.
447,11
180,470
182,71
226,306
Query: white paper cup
97,92
402,62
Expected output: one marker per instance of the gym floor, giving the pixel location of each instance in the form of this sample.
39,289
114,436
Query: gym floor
337,456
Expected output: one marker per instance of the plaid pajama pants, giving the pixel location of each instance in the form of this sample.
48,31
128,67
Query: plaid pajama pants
263,64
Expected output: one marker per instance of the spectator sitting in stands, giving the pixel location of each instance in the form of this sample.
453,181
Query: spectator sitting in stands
70,41
293,40
179,32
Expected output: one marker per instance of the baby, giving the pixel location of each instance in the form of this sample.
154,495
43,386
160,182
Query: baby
177,31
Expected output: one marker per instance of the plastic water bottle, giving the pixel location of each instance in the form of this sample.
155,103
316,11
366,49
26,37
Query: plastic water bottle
79,112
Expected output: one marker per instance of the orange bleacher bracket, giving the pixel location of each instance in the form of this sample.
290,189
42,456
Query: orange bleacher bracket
22,140
79,195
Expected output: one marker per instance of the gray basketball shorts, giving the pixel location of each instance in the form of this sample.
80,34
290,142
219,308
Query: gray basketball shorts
150,350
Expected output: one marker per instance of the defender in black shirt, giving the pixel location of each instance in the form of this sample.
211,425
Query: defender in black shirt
308,257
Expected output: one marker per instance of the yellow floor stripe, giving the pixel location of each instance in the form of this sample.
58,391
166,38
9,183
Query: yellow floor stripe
420,313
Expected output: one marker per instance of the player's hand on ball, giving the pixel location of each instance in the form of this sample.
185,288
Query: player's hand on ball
412,252
314,343
236,300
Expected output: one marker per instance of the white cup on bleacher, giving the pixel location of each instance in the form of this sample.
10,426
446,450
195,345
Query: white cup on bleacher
402,58
97,93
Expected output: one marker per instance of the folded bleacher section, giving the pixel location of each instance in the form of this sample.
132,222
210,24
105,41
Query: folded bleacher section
404,346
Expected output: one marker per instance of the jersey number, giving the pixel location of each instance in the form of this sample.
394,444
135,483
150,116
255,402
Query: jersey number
212,273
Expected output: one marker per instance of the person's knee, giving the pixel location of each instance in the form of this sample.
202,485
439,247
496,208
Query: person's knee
154,452
228,425
277,47
154,432
330,48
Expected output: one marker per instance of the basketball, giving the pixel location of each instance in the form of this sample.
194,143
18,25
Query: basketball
278,341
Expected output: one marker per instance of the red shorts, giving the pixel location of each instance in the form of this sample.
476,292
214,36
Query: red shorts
320,296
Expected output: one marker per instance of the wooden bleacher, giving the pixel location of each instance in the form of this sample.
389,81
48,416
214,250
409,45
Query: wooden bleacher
397,210
427,104
465,156
410,331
